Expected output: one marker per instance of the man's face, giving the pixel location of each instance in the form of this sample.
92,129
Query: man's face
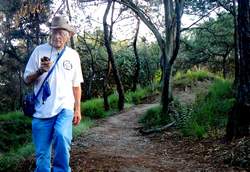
59,38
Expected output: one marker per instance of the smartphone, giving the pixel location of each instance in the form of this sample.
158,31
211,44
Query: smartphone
45,59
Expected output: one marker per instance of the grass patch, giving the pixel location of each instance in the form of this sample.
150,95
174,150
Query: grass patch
9,161
12,115
15,131
90,109
83,126
139,95
190,77
210,111
93,108
113,101
154,118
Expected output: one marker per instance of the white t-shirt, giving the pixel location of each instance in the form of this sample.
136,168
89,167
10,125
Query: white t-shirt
66,75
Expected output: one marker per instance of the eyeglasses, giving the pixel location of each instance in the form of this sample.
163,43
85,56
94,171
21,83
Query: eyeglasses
61,32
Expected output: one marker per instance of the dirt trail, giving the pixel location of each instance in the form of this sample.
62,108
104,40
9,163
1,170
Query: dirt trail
115,144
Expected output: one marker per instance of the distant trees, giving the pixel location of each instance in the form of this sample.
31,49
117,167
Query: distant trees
168,41
20,32
211,44
95,63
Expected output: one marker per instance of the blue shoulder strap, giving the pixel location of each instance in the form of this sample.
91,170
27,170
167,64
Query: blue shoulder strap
50,71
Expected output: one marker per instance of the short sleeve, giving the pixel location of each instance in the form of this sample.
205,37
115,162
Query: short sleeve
32,65
77,78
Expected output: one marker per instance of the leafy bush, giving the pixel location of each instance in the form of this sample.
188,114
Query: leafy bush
10,161
137,96
189,78
113,101
154,118
15,131
210,111
93,108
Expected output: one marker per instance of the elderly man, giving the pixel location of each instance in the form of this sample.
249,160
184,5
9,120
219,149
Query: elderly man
53,117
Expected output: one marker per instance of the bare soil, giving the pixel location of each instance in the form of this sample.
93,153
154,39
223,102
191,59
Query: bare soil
115,144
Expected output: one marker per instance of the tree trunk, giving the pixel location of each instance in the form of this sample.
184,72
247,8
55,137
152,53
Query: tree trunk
224,66
70,19
170,45
105,95
236,45
239,119
105,85
107,43
165,89
137,66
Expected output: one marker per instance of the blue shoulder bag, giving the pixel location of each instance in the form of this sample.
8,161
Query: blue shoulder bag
29,100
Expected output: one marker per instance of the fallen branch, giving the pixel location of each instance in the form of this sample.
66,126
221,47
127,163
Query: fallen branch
155,130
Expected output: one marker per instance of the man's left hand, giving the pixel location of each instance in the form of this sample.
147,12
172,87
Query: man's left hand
77,117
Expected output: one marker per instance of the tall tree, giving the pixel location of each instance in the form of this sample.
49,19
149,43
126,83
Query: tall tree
137,58
239,119
169,43
20,32
107,42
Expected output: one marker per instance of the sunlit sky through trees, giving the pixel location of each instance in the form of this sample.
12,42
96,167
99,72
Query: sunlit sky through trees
88,17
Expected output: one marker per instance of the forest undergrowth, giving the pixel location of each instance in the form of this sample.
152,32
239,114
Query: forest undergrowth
199,110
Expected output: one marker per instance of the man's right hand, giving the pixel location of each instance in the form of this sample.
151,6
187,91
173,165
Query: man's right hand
45,66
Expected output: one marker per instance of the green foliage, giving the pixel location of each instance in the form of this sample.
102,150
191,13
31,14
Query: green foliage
83,126
19,24
126,63
141,94
94,63
113,101
157,76
15,131
9,161
190,77
210,45
154,118
210,111
149,60
137,96
93,108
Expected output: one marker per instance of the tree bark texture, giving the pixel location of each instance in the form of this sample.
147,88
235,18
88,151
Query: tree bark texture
70,18
239,117
236,44
137,59
107,42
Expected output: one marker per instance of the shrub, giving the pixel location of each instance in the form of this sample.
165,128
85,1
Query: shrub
190,77
113,101
210,111
137,96
154,118
15,131
10,161
93,108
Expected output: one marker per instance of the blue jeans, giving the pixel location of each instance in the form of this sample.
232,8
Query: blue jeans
58,130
